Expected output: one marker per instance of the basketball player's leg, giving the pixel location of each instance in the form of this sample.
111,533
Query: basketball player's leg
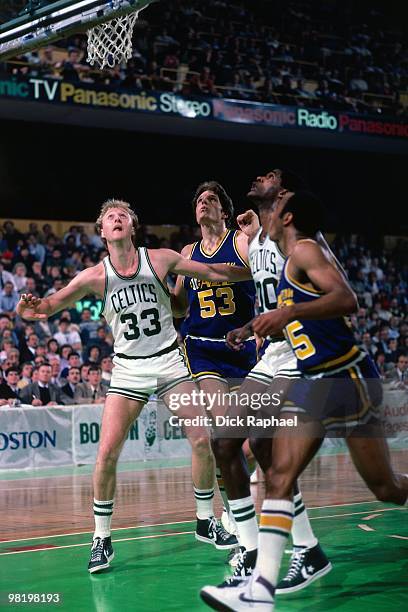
119,414
371,456
291,454
216,391
203,465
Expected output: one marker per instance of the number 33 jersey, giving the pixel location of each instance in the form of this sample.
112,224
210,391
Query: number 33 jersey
138,310
216,307
266,262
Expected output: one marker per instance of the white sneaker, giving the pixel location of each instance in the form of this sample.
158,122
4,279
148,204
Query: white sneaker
256,594
228,522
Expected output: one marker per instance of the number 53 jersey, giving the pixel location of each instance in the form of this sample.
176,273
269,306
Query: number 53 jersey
217,307
138,310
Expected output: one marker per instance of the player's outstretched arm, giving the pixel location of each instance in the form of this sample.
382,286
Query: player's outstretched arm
33,308
337,299
178,296
249,224
213,272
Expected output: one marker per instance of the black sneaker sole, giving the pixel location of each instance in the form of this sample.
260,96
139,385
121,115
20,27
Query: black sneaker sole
217,546
214,603
325,570
99,568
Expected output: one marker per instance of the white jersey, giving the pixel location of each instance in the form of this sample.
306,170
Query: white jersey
138,310
266,263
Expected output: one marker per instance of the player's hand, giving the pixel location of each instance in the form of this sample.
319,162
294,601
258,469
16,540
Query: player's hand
272,323
235,338
28,307
248,222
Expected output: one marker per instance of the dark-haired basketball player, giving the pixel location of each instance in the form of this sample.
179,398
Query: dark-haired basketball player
340,390
215,308
274,371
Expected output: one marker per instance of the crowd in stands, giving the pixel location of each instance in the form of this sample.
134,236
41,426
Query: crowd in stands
67,359
330,55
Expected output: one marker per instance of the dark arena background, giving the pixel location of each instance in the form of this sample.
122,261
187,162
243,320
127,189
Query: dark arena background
214,90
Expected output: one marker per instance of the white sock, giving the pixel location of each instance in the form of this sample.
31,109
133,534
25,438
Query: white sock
244,514
274,528
302,533
103,510
204,502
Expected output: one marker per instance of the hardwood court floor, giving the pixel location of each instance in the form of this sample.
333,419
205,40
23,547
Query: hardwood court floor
46,528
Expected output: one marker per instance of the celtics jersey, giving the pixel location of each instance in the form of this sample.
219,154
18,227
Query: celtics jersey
266,262
138,310
217,307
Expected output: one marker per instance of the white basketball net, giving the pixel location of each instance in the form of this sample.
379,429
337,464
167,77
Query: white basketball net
110,43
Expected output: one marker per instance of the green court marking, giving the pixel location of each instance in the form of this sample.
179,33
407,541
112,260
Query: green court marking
166,571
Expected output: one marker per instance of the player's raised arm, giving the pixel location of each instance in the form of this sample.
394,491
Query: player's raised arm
337,299
33,308
178,296
213,272
249,224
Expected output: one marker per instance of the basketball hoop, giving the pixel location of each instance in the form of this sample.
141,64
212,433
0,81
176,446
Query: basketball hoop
110,43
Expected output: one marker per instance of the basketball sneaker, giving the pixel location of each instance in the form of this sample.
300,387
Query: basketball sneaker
101,554
228,522
306,566
211,531
255,594
243,569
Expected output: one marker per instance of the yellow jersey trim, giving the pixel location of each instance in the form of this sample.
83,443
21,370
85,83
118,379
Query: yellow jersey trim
334,362
301,286
222,240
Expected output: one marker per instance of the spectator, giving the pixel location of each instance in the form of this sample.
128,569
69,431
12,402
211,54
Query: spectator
102,342
26,375
94,355
42,393
65,350
38,276
35,248
20,276
380,363
55,371
87,327
52,349
106,367
66,335
9,391
74,361
8,300
85,372
93,391
6,276
29,347
68,390
398,376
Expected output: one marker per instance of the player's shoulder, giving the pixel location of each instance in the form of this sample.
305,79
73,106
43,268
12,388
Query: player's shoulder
92,273
306,250
240,240
187,250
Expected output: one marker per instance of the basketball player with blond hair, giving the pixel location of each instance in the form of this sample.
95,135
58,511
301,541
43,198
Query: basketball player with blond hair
136,304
